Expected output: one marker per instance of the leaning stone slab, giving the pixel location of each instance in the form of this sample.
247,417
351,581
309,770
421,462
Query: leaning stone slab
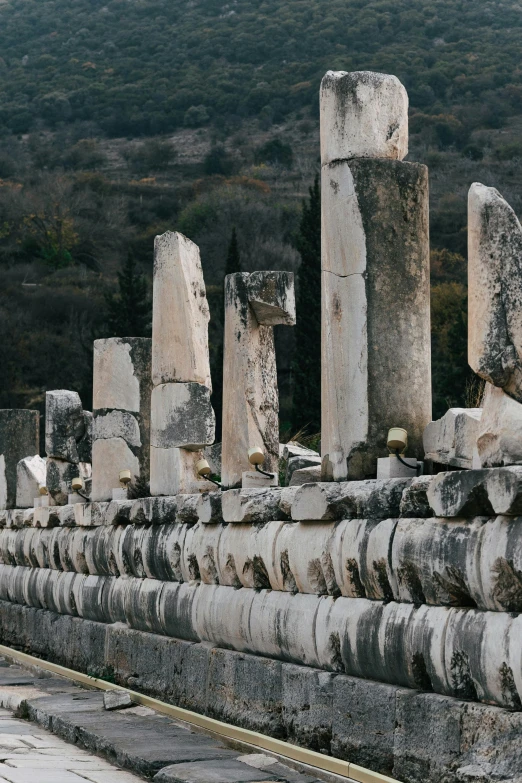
452,440
182,416
363,115
180,313
494,290
19,438
351,499
373,365
460,493
121,409
250,402
299,462
499,437
30,476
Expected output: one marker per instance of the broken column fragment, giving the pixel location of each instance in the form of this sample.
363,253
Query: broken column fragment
19,438
452,439
376,366
121,410
495,322
495,290
254,303
68,434
182,418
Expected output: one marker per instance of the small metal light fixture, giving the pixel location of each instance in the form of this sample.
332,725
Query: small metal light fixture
204,470
125,477
256,458
42,490
77,484
397,442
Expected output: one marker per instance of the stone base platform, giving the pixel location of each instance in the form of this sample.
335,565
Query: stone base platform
412,736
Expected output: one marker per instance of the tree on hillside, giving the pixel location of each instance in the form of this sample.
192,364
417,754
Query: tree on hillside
306,366
232,265
129,312
233,262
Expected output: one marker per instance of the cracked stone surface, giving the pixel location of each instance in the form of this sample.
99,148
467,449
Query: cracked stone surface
142,742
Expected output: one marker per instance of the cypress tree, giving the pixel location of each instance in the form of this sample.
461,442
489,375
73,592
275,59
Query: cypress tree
232,265
233,262
306,366
129,312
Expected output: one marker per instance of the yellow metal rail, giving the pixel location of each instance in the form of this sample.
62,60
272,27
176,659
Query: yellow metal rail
226,730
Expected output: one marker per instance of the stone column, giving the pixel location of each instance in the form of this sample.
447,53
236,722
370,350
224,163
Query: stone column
68,431
254,304
495,322
19,438
121,410
376,358
182,419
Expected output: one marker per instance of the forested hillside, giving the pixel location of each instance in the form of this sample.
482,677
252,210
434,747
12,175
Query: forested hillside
121,119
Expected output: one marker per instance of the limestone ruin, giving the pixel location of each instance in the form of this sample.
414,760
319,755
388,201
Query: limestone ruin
375,365
374,619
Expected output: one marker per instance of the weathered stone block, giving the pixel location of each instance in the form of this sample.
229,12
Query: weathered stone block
64,424
174,470
391,467
299,462
250,401
363,115
346,500
494,289
59,475
302,476
415,501
499,439
121,409
459,493
307,698
452,439
360,554
182,416
30,475
251,505
209,508
363,723
180,313
19,438
436,561
375,366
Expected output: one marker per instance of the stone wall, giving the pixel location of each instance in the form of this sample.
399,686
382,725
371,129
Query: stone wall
353,583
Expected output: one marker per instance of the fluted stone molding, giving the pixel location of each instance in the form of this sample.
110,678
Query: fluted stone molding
121,409
376,364
254,303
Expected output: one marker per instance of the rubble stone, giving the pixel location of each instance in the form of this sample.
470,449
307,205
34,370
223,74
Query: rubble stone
452,440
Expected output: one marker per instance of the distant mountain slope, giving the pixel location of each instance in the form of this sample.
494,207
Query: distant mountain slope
138,67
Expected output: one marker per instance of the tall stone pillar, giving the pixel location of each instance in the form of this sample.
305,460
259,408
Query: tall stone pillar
182,418
376,357
19,438
254,304
495,322
121,409
68,431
